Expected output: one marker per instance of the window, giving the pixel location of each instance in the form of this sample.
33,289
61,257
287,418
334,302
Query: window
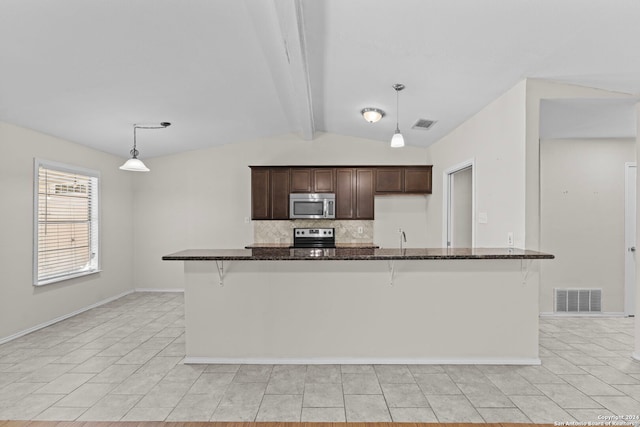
66,223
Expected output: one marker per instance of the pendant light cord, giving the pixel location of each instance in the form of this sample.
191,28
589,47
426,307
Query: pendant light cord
398,87
397,110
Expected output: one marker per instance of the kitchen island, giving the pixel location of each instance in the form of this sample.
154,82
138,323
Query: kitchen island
361,305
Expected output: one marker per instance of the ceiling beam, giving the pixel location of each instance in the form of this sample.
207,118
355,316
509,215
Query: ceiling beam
291,21
279,26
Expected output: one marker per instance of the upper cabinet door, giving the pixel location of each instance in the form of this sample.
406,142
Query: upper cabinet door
323,180
279,193
311,180
260,194
417,180
301,180
364,194
345,193
389,180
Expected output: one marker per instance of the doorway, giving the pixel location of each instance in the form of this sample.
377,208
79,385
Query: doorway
459,206
630,238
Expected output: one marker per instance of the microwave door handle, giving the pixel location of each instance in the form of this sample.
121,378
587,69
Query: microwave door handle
324,208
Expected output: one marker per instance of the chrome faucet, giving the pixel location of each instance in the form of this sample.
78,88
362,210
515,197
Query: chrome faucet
403,237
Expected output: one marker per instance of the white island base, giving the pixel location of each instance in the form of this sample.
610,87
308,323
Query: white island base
307,312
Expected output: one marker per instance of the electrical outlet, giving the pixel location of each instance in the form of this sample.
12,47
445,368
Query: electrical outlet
510,239
360,230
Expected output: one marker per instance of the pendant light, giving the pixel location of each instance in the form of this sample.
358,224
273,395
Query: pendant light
397,140
134,164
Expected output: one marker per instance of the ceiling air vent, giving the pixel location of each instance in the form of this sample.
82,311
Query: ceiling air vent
423,124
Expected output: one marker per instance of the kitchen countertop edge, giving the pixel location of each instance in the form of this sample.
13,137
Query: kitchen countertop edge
353,254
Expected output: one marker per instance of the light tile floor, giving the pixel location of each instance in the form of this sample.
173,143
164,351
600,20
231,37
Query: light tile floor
122,361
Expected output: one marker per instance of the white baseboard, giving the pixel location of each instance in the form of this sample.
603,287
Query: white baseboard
63,317
176,290
358,361
603,314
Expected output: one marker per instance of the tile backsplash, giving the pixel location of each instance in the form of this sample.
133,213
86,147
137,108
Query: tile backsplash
282,231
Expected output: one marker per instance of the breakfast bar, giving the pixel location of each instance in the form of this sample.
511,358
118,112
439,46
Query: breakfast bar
361,305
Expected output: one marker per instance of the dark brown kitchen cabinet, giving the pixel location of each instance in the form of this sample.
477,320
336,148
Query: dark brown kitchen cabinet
417,180
345,193
323,180
403,180
312,180
301,180
389,180
354,193
269,193
260,200
354,186
364,193
279,193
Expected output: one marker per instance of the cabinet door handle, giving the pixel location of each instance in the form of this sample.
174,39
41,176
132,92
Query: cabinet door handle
632,249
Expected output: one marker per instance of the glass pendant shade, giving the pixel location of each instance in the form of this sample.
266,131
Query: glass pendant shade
134,165
397,140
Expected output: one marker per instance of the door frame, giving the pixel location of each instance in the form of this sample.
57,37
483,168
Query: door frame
630,287
448,189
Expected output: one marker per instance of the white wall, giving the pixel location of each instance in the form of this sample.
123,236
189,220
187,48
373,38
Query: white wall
582,217
537,90
200,199
23,306
495,138
503,139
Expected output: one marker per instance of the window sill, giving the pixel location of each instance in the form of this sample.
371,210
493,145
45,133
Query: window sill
67,277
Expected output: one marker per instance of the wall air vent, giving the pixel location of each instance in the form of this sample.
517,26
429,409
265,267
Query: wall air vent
578,300
423,124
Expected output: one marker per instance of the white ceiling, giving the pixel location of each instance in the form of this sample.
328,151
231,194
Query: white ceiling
229,70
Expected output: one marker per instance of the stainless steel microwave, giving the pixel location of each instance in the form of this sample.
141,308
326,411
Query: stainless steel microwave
312,205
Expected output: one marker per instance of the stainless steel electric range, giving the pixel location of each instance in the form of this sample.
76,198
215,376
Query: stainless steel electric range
314,238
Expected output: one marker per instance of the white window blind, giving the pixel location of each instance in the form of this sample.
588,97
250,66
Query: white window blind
66,223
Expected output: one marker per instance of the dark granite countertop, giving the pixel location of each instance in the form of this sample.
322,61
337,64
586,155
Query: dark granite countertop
352,254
